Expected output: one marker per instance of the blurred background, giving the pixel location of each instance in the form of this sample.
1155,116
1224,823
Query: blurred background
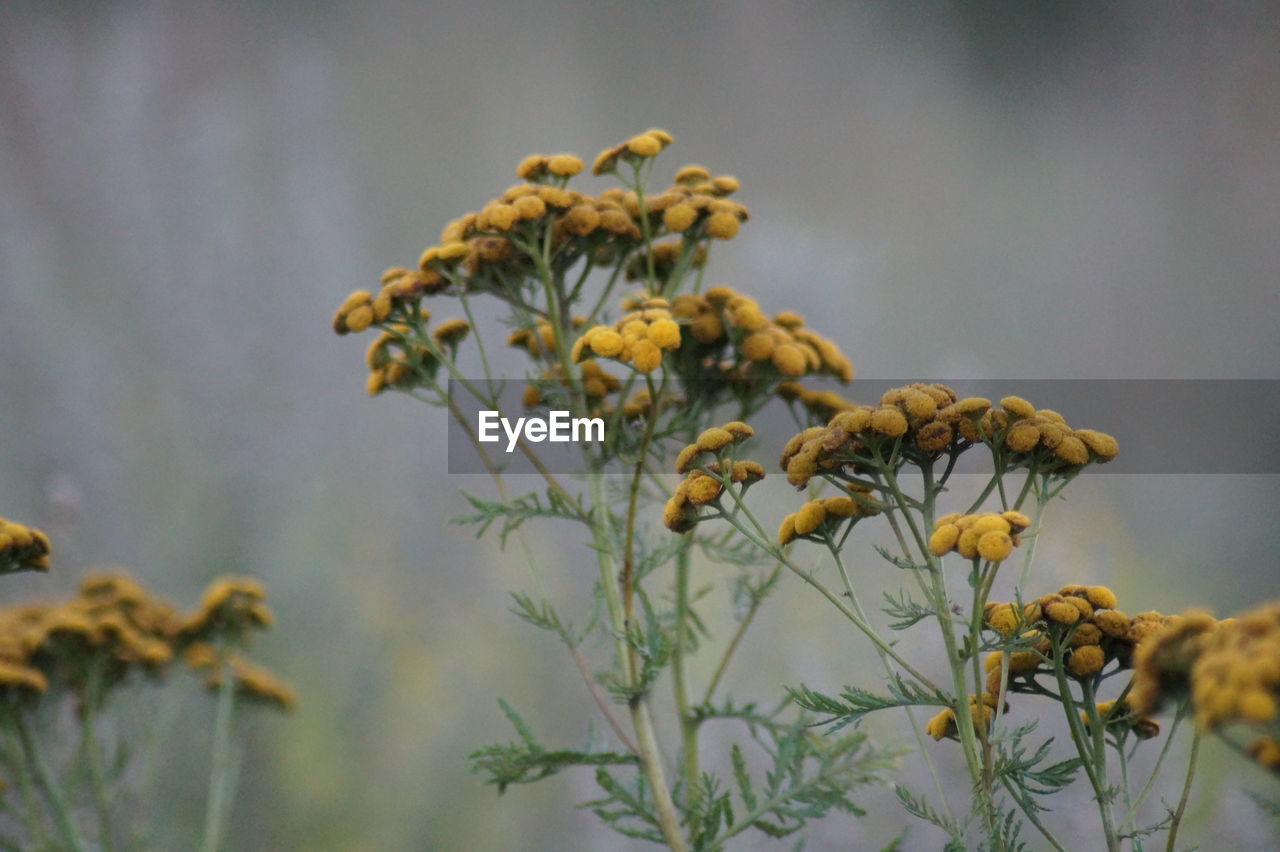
958,190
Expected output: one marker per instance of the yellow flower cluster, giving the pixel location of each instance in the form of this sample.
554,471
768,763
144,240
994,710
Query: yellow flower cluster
112,618
633,151
702,487
714,440
986,535
539,341
252,682
1040,436
114,627
758,347
638,338
703,483
821,404
395,360
1084,622
920,418
597,384
664,257
822,516
1237,674
22,548
943,725
1122,716
229,608
1229,668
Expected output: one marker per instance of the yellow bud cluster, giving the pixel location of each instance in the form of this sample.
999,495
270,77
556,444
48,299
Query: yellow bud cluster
987,535
1236,677
821,404
540,340
1229,669
597,385
111,629
634,150
703,486
252,682
943,725
1121,716
537,167
230,607
664,257
733,340
22,548
907,417
638,338
713,440
1038,436
1081,620
397,360
822,516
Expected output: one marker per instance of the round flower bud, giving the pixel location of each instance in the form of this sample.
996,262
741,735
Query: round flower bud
810,517
787,530
943,539
664,333
1018,408
1112,622
644,145
1022,437
564,165
360,318
757,347
714,439
994,546
1072,450
1060,611
1100,444
722,226
1101,597
1086,661
645,356
789,360
604,341
933,437
679,216
889,421
703,489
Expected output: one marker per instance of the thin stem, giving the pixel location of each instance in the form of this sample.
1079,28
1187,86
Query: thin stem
916,729
1176,821
48,784
92,697
737,636
1084,748
601,701
34,822
688,721
1155,769
220,775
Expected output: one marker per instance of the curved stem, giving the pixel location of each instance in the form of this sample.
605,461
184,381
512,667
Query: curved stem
1176,822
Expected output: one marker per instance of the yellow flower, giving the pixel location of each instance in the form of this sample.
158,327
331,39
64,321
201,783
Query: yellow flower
564,165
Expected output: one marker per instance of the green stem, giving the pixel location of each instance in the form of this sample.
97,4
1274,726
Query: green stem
92,698
1084,747
34,822
1176,821
220,774
48,784
688,721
